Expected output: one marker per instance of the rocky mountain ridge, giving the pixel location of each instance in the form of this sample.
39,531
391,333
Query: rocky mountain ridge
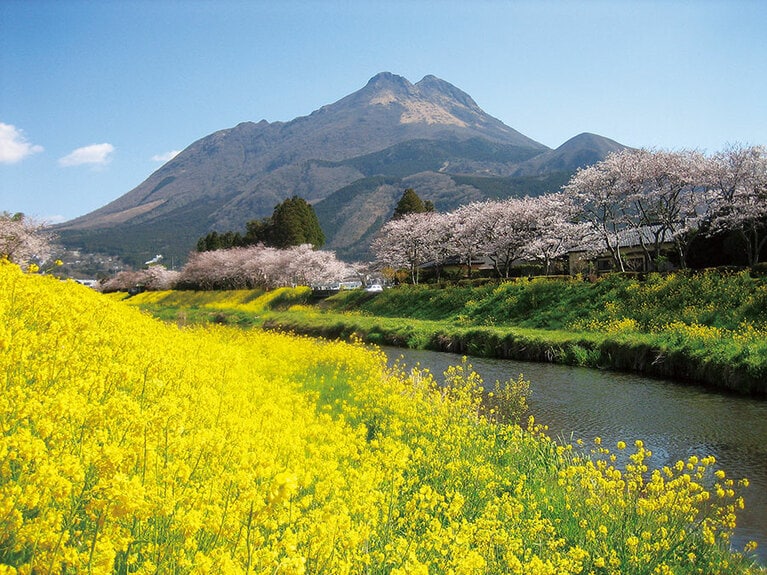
352,157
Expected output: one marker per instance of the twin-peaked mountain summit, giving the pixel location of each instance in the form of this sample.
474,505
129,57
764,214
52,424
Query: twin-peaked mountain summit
351,159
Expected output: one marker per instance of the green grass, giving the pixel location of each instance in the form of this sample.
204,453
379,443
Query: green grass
708,328
243,308
711,298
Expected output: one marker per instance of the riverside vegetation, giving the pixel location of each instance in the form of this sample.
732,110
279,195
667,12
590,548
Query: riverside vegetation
707,327
131,445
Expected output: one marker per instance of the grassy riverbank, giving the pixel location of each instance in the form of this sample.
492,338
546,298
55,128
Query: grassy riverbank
708,328
130,445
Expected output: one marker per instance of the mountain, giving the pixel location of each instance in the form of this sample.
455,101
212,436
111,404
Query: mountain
351,159
578,152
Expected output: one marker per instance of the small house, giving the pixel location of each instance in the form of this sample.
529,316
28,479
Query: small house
630,243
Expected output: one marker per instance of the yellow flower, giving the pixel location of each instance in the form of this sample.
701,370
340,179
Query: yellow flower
136,445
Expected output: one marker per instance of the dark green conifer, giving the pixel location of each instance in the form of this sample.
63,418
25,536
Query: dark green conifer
293,223
410,203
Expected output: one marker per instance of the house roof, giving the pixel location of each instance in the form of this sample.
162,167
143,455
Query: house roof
633,237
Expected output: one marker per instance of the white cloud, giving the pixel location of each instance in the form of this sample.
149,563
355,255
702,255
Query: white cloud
14,146
95,154
166,157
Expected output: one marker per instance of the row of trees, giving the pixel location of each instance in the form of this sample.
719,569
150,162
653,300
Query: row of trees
277,251
663,197
539,229
239,268
678,195
28,243
292,223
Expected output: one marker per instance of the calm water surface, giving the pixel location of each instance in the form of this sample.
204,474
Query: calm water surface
673,420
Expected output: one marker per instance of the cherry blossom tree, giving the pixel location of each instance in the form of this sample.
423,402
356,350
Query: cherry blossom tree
303,265
262,266
23,240
469,232
159,278
409,241
122,281
555,232
596,195
737,180
435,228
508,229
154,278
216,269
664,199
657,194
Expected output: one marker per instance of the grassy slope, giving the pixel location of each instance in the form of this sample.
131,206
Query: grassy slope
709,328
711,299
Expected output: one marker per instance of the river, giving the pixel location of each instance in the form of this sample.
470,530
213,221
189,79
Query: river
675,421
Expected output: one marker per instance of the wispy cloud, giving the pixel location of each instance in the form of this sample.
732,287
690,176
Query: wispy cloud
95,154
14,146
166,157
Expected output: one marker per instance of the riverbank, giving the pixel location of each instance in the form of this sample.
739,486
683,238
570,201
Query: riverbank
637,353
708,328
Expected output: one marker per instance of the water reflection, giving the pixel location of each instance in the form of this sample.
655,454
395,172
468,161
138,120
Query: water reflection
674,421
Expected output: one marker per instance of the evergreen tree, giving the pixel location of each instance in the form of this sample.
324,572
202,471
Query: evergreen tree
294,222
215,241
410,203
210,242
231,240
257,232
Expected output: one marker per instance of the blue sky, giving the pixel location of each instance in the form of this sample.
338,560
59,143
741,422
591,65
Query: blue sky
93,95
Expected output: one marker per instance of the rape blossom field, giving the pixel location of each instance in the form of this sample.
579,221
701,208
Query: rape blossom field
129,445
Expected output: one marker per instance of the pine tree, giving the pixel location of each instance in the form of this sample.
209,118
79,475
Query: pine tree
293,223
410,203
257,232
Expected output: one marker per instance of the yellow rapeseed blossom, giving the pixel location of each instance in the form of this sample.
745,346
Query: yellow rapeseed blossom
133,446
